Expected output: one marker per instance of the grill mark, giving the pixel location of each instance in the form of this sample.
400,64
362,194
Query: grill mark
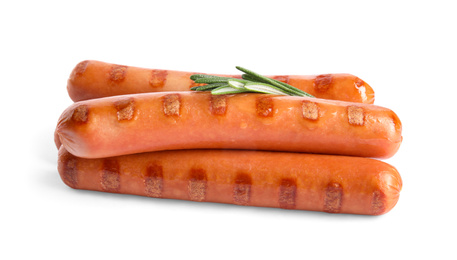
125,109
153,181
323,83
171,104
158,78
218,104
333,198
287,193
264,106
242,189
80,114
378,202
110,179
197,185
80,69
310,110
282,78
356,115
117,73
70,171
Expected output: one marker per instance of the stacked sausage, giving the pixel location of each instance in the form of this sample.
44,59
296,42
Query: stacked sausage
247,149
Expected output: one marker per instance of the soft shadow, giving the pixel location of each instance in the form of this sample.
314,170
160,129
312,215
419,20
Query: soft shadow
222,208
44,147
50,180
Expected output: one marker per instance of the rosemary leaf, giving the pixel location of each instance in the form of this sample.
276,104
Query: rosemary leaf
236,84
226,90
276,83
264,88
199,76
210,86
250,82
209,80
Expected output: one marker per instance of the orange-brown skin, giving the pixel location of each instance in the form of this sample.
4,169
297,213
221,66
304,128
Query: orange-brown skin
149,122
95,79
57,139
329,183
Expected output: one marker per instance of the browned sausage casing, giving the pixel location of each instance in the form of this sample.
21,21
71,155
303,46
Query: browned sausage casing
149,122
95,79
334,184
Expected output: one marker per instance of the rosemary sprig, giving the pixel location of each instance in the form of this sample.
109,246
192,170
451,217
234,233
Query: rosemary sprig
226,90
274,82
214,79
250,82
209,87
264,88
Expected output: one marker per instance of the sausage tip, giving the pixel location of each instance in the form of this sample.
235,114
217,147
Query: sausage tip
386,196
67,167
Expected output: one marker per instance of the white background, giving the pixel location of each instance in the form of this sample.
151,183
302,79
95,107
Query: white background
406,50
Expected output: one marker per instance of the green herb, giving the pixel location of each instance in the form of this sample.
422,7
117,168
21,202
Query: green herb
236,84
214,79
198,76
250,82
264,88
209,86
226,90
274,82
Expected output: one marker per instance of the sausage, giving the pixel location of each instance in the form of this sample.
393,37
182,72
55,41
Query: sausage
95,79
57,139
150,122
328,183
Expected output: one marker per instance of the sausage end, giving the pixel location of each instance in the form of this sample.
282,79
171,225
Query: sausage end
388,193
67,167
57,141
365,91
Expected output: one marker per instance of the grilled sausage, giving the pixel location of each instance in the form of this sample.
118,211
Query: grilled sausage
329,183
149,122
95,79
